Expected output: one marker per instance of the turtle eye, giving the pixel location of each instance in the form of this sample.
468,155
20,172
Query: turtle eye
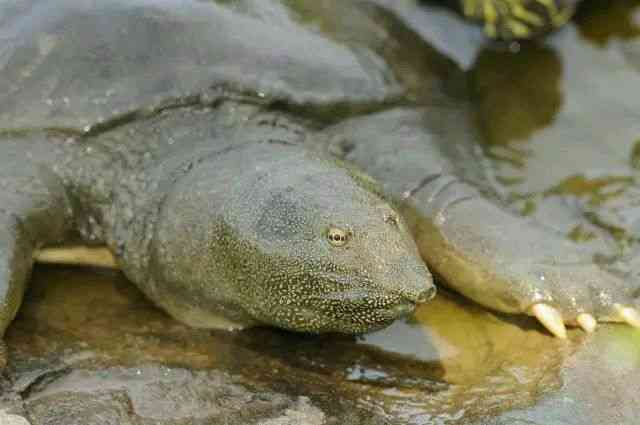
337,236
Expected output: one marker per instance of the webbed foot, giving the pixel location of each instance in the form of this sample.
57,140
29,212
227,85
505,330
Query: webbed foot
510,264
582,296
518,19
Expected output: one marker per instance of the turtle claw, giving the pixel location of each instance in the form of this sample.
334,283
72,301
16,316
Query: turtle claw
587,322
628,314
550,319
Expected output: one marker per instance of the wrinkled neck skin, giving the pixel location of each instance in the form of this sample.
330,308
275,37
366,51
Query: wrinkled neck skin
120,188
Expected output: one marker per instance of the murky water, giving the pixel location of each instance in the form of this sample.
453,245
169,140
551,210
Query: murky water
559,123
450,360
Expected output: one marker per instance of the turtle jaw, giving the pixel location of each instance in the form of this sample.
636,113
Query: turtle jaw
351,323
357,312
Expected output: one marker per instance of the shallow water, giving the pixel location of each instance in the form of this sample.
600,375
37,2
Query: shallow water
451,360
563,133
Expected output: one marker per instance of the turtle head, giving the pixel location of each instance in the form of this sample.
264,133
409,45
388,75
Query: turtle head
304,244
330,253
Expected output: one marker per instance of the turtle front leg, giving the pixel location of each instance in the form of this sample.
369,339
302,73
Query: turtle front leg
518,19
34,212
510,264
16,262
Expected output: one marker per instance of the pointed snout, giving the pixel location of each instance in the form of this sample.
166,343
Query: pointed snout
427,294
416,285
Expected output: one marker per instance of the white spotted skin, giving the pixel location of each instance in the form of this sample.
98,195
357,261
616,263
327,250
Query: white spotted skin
265,229
234,227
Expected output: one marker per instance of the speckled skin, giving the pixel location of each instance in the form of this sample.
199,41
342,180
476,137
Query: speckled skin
233,226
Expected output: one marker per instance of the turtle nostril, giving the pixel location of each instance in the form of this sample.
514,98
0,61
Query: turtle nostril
427,295
403,309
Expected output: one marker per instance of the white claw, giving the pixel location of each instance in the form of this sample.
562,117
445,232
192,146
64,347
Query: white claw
628,314
587,322
551,319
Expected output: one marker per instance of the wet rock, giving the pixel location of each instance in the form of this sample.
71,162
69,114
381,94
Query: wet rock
10,419
11,406
155,394
303,413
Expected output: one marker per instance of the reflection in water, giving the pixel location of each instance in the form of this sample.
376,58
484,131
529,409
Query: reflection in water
516,93
466,340
451,359
601,383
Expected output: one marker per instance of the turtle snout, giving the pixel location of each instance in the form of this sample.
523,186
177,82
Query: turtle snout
420,296
417,286
409,300
426,295
403,309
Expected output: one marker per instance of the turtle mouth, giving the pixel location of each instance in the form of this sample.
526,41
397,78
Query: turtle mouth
402,309
356,293
355,304
390,313
375,319
350,312
359,301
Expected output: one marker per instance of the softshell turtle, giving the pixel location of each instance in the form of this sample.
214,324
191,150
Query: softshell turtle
179,136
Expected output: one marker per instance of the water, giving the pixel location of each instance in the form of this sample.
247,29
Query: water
451,359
